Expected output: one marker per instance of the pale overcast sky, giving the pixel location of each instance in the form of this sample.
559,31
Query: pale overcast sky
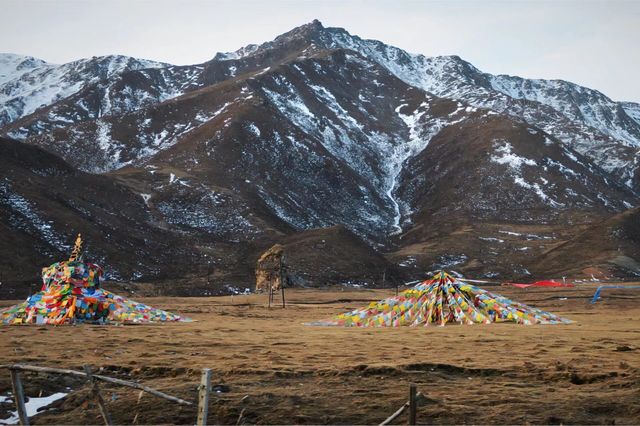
593,43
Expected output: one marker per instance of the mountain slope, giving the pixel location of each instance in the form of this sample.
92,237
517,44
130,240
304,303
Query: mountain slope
632,109
489,193
298,132
609,248
335,255
44,203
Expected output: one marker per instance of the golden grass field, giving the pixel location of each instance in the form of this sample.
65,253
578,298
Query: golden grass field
280,371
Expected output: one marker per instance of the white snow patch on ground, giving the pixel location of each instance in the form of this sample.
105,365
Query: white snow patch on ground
572,156
497,240
535,187
408,262
237,290
449,260
527,236
32,405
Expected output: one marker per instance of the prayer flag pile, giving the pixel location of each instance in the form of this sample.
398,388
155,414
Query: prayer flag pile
71,294
440,300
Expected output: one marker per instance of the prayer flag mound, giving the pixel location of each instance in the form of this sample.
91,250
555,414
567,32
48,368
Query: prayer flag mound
441,300
71,294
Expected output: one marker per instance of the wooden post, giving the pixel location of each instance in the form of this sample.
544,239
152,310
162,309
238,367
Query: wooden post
413,404
282,291
384,278
240,417
18,396
95,391
203,397
400,410
282,280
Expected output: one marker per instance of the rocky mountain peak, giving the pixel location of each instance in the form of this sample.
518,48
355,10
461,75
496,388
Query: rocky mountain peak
302,35
310,28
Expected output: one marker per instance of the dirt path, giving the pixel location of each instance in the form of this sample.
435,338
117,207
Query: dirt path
281,371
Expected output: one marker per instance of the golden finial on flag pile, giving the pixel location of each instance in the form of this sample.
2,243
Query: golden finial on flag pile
76,249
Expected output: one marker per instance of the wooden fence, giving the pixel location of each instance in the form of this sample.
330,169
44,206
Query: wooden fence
18,390
204,391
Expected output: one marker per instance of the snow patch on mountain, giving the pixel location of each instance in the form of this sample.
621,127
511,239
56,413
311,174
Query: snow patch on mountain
112,150
421,128
28,218
254,129
504,155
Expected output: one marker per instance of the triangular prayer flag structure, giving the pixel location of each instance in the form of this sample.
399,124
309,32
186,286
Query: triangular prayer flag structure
441,300
71,294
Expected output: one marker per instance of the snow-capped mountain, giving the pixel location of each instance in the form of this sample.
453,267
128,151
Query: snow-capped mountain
427,158
27,84
583,118
599,128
